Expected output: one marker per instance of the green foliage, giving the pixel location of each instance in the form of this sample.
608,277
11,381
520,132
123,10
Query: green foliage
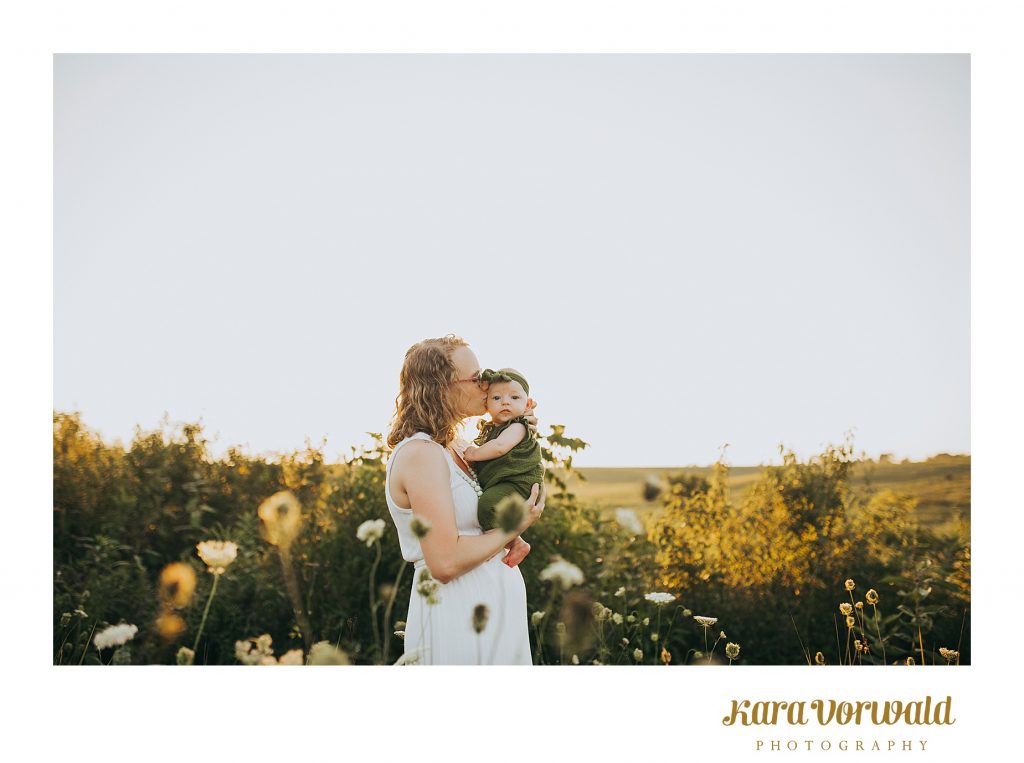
769,563
776,560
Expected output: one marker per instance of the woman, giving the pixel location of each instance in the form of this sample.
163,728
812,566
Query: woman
458,567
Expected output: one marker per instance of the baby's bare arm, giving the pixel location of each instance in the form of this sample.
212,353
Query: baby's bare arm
497,447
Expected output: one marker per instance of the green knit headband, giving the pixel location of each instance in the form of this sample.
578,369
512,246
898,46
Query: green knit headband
505,375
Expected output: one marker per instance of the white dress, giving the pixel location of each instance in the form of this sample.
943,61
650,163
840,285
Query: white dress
442,633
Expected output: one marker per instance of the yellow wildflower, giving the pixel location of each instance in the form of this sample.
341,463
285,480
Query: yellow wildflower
177,584
169,625
282,518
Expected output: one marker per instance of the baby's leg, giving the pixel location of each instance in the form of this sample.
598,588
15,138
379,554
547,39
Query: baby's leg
489,501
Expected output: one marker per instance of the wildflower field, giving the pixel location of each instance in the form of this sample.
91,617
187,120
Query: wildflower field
163,554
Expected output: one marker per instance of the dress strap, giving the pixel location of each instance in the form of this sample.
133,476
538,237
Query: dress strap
410,438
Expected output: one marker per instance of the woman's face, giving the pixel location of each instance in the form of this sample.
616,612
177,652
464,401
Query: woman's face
470,396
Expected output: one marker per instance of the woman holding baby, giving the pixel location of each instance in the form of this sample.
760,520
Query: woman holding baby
468,600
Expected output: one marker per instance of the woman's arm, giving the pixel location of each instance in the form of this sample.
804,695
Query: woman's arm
423,474
497,447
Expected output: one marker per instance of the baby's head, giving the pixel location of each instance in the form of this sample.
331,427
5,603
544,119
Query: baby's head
507,395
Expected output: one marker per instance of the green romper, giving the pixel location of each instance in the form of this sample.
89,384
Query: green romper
515,472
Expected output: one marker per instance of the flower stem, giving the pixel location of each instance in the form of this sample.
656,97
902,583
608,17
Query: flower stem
206,611
292,584
87,641
878,630
387,611
373,595
60,650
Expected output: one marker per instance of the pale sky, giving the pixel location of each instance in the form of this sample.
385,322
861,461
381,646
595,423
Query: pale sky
677,251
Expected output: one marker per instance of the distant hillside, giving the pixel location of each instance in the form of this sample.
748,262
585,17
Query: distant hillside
942,484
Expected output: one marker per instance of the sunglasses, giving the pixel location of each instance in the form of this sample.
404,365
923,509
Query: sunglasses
475,379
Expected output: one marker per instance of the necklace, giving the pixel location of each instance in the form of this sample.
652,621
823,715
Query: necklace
471,481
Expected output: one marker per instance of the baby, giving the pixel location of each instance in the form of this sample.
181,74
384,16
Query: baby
507,456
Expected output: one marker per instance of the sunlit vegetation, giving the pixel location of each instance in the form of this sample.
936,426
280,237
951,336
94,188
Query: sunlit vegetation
164,554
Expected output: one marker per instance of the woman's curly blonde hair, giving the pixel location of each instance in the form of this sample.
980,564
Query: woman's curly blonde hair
426,396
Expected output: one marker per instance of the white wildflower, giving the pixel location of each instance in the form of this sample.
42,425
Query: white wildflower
325,653
660,598
629,521
427,587
115,635
565,574
370,531
254,651
217,555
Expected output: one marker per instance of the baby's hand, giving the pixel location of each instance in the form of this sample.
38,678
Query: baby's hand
470,452
531,417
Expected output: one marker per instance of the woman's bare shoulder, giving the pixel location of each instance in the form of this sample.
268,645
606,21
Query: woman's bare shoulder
418,456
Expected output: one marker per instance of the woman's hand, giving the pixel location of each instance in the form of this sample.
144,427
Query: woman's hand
534,507
517,551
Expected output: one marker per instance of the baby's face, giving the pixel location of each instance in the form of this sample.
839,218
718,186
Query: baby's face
506,400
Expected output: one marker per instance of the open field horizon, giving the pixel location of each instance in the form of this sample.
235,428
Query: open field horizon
941,484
